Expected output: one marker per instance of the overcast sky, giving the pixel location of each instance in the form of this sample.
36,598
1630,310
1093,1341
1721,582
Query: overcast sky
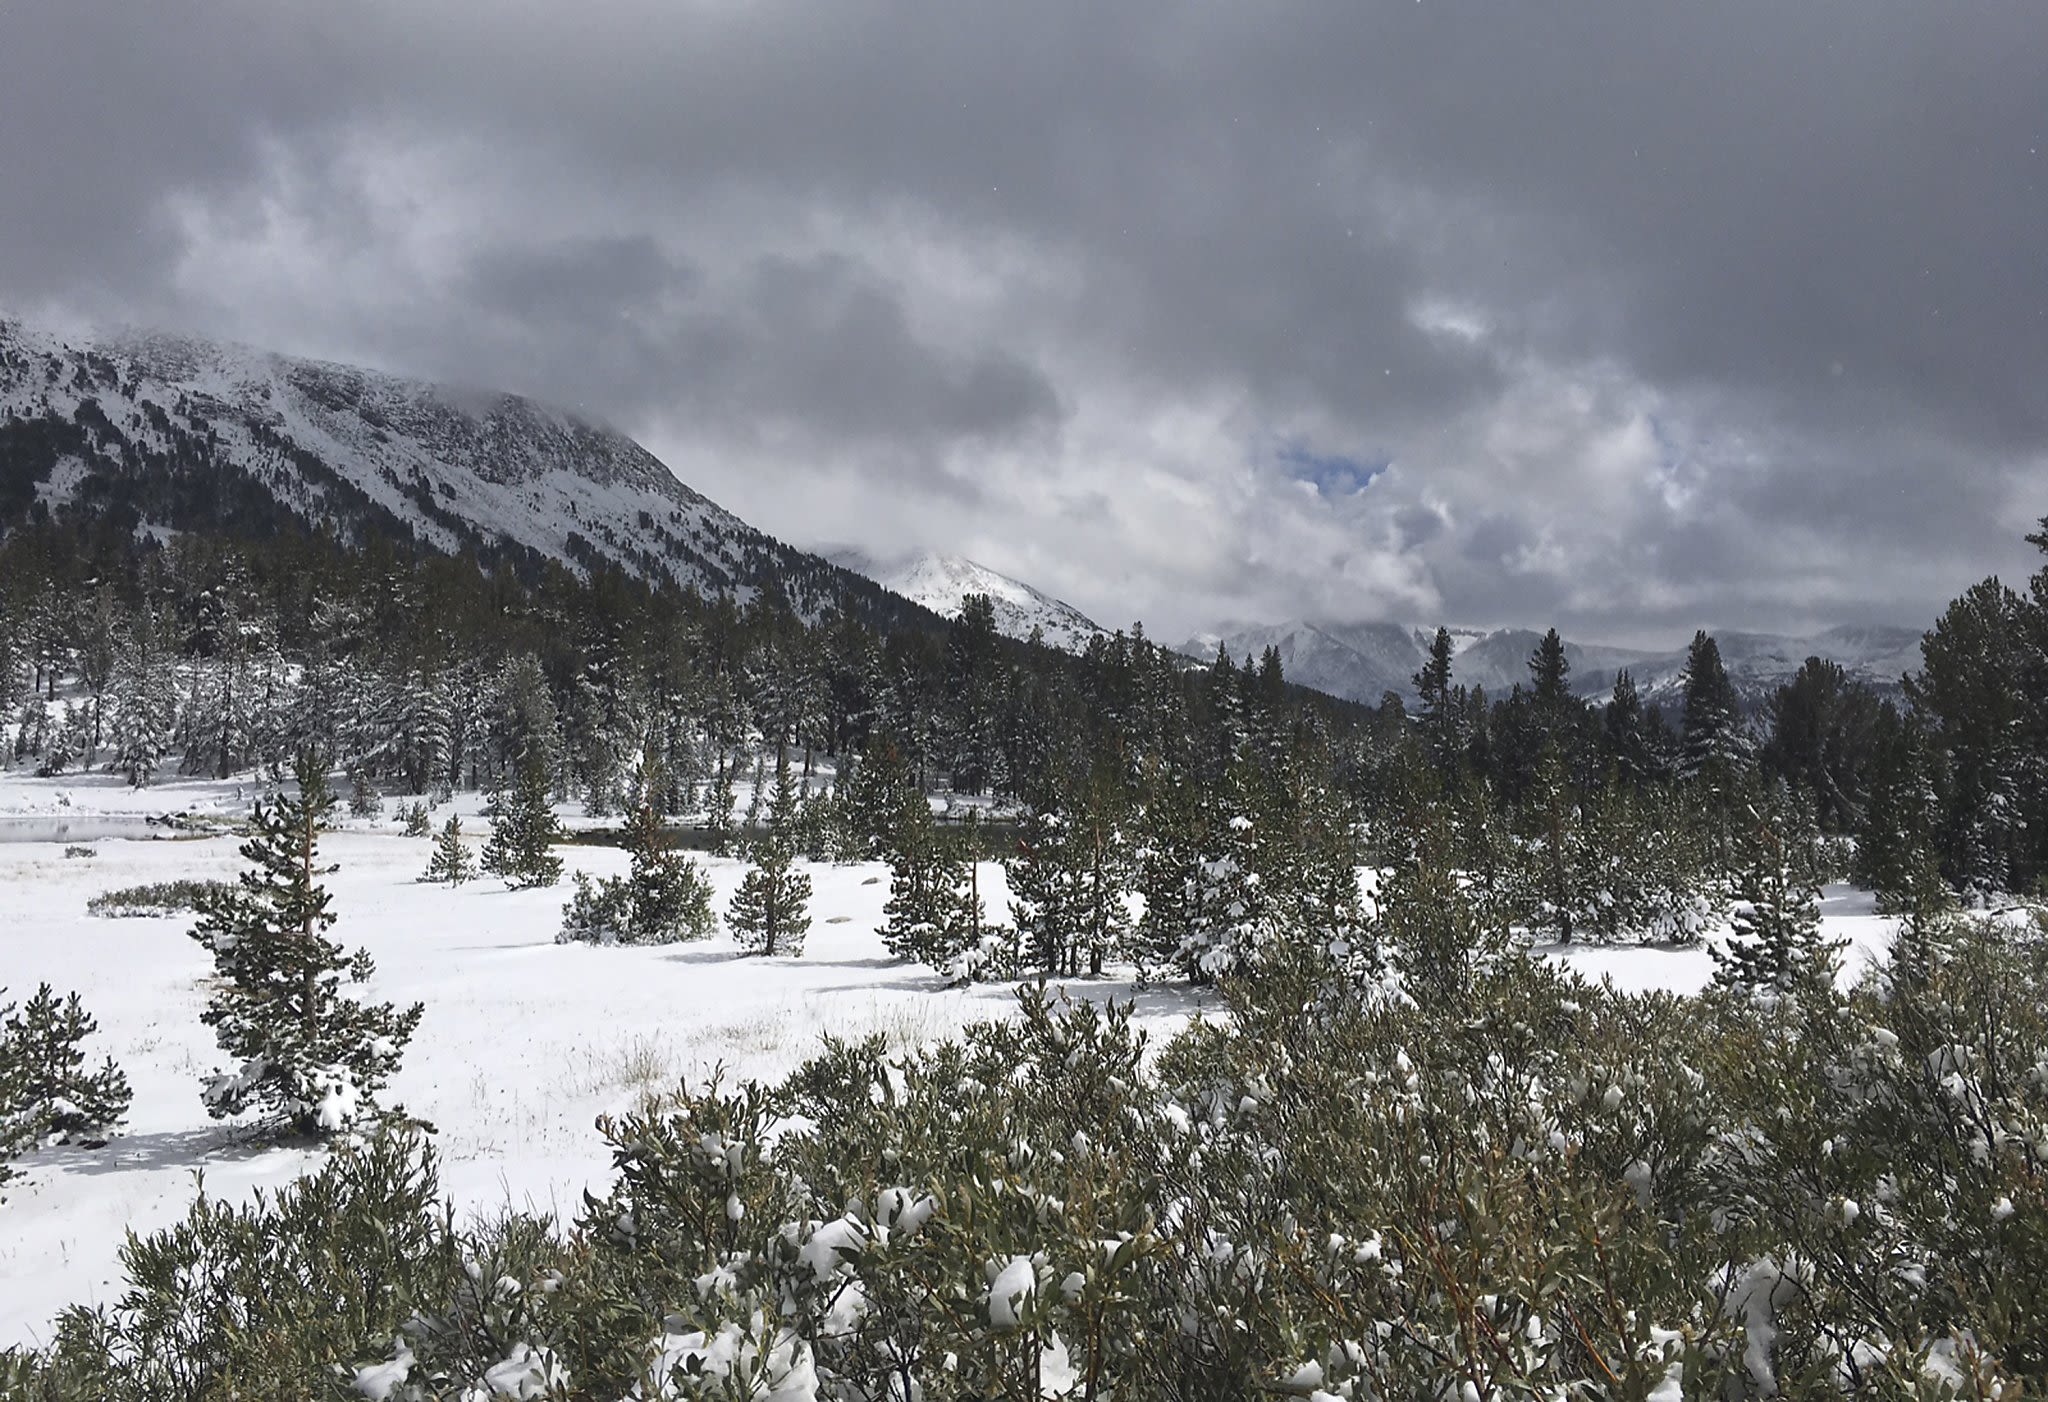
1630,317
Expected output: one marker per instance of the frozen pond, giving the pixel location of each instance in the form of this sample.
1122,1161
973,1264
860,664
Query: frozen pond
85,827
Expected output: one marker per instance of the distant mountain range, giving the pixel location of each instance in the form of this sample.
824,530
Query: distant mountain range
939,582
1363,661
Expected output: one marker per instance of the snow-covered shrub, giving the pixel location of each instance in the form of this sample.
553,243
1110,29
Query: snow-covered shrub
599,912
157,898
665,898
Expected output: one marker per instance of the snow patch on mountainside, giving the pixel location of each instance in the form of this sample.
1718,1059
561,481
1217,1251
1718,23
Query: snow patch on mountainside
939,582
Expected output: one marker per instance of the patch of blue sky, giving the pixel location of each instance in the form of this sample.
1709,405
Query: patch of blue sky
1332,474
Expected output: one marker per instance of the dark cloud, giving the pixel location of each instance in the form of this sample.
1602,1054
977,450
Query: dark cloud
1663,314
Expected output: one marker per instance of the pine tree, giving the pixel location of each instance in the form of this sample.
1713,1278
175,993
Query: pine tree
1896,845
309,1056
1439,704
1554,848
769,912
1823,739
1067,883
523,833
1168,865
71,742
669,898
718,801
932,916
1713,740
973,693
1971,693
1234,918
1550,674
1438,939
451,862
363,799
45,1078
1624,744
145,689
1777,950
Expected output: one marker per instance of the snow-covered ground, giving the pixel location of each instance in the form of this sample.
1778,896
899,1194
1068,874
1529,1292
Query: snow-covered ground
524,1042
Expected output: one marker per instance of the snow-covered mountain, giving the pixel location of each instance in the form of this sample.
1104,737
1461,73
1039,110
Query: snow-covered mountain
171,433
939,582
1363,661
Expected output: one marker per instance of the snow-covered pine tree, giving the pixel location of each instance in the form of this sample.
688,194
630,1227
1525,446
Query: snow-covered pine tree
1554,848
1714,743
718,801
933,916
669,896
145,694
769,912
877,790
1897,843
524,725
974,686
1068,878
309,1056
1168,861
31,728
1777,950
523,833
70,745
757,794
96,649
45,1076
1045,894
1233,904
1625,749
451,862
1436,937
363,799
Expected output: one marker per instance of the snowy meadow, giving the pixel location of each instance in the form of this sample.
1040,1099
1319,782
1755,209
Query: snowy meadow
524,1044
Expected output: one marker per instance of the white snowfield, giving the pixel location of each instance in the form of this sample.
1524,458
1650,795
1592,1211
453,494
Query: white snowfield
523,1044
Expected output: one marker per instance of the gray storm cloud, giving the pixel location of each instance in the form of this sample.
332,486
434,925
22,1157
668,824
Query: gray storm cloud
1658,315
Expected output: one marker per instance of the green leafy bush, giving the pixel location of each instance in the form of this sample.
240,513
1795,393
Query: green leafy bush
1520,1185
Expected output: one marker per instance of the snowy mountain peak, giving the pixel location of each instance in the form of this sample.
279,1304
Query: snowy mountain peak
939,582
178,432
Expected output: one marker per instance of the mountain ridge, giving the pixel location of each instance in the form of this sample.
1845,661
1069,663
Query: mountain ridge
161,431
1363,661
